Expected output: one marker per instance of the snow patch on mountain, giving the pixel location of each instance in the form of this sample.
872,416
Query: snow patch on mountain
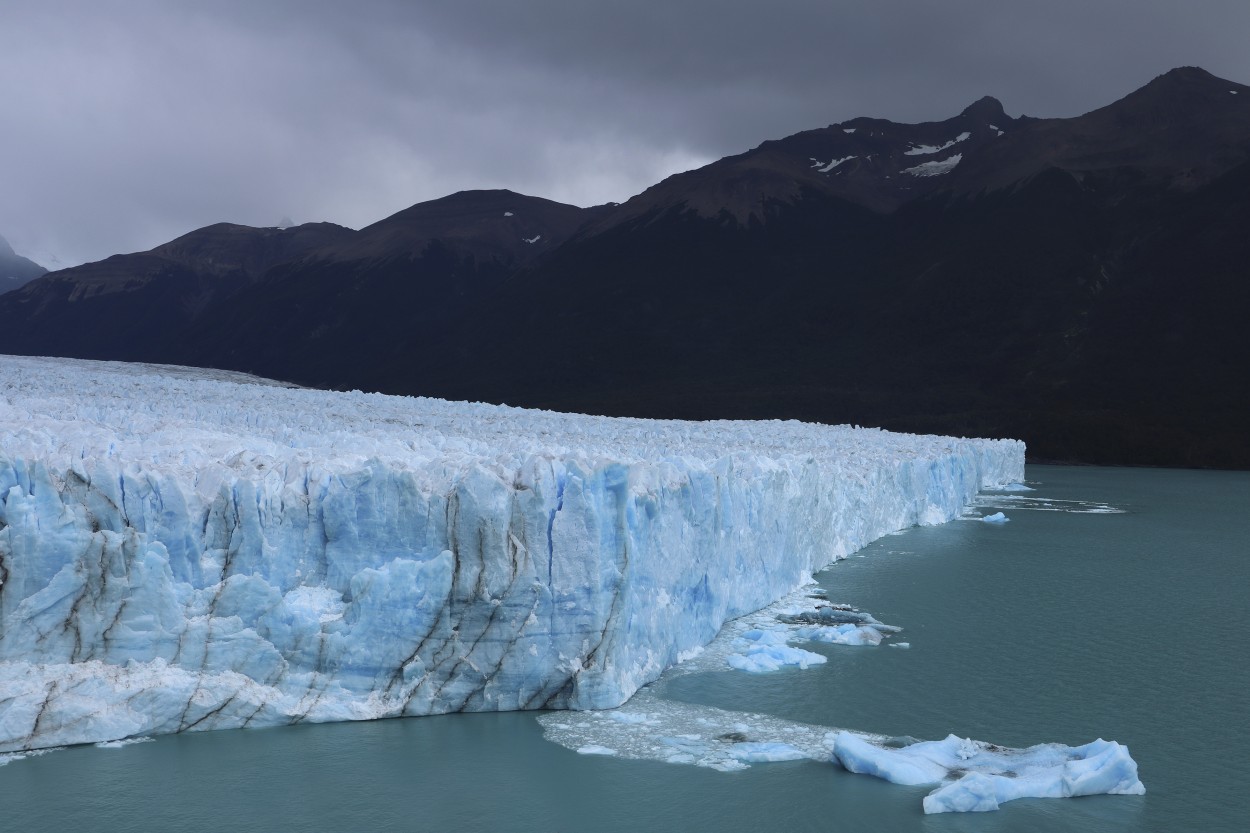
825,168
925,150
934,168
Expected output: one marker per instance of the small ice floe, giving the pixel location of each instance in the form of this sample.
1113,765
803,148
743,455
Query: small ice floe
848,130
10,757
118,744
976,776
507,214
630,718
689,734
844,634
900,644
1042,504
996,518
833,616
761,651
764,752
766,647
533,239
596,750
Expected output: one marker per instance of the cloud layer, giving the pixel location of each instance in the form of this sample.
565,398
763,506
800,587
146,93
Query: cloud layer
128,123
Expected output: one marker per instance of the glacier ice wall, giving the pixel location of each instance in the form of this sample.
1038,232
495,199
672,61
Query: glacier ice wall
186,550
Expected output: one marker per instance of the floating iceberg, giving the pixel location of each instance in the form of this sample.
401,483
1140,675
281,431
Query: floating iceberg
189,550
996,518
979,776
769,656
766,647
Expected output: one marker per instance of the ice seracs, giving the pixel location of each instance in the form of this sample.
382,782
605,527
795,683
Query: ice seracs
186,550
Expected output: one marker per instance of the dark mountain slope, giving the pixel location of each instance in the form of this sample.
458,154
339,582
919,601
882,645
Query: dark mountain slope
15,270
1080,283
874,163
1096,314
1184,128
136,307
353,315
501,226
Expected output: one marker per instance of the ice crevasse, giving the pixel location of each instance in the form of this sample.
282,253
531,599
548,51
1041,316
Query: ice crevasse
187,550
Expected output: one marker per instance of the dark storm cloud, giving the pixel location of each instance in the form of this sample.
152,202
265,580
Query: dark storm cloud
128,123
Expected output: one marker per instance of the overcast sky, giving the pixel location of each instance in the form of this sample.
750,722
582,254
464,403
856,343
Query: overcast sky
126,123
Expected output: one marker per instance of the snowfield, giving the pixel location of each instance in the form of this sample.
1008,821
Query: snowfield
188,550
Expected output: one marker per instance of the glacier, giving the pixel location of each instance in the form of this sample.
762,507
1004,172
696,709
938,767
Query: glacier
189,550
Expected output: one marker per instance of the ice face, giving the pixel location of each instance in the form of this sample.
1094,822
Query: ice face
185,551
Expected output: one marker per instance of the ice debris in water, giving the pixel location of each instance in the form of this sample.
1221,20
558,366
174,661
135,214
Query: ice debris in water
682,733
760,642
650,727
595,750
999,500
976,776
766,650
118,744
996,518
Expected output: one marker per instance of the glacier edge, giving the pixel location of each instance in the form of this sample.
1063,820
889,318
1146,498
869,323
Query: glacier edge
184,552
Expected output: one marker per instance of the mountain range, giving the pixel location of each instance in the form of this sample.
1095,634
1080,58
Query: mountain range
1080,283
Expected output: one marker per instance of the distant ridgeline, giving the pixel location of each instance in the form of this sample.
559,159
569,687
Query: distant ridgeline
15,270
1079,283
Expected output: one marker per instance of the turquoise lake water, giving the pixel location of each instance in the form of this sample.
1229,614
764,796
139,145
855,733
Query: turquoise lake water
1064,624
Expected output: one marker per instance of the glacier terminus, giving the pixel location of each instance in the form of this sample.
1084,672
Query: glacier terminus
188,550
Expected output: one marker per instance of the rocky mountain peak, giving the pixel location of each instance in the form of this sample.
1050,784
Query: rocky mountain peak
985,109
16,270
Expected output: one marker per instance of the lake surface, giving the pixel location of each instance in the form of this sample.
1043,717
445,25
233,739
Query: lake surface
1063,625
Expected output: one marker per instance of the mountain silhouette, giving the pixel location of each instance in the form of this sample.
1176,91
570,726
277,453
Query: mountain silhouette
1080,283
